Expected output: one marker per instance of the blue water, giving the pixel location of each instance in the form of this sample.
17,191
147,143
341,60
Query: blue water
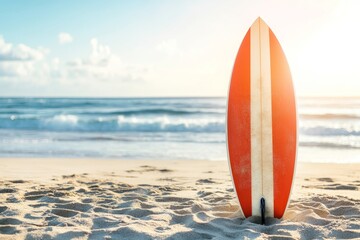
161,128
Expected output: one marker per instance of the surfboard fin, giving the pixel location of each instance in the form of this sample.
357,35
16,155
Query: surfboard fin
262,207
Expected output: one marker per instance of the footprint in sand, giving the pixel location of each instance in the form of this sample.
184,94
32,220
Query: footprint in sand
104,222
166,179
69,176
172,199
7,190
34,195
335,186
203,194
8,230
18,181
80,207
345,211
64,212
10,221
3,209
325,179
147,168
341,187
136,213
205,181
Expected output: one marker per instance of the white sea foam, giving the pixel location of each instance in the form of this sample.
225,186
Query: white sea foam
60,122
72,119
166,124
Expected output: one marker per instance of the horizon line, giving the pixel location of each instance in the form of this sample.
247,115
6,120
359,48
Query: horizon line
2,97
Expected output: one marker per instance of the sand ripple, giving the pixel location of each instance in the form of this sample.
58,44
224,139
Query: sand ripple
85,207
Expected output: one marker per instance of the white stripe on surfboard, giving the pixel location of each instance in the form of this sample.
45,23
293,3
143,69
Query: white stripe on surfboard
267,146
261,119
255,119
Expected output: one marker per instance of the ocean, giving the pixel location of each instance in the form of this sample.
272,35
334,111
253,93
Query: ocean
162,128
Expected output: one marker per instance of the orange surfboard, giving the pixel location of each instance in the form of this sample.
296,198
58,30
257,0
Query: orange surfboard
261,124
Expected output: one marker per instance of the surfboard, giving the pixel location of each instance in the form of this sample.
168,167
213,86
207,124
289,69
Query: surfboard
261,124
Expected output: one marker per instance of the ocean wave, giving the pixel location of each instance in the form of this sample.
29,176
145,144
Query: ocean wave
165,124
68,122
329,145
154,111
146,123
183,137
329,131
53,103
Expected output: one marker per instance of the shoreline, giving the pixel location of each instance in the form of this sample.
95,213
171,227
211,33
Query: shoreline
15,166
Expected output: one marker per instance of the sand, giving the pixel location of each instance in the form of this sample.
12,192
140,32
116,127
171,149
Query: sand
121,199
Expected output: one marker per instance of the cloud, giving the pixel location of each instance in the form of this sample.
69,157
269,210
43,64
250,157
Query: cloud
21,63
65,38
101,64
169,47
19,60
21,52
12,69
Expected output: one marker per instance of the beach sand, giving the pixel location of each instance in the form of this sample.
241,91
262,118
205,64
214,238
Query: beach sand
123,199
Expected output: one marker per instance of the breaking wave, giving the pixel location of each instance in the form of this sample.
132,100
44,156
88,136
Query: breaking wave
66,122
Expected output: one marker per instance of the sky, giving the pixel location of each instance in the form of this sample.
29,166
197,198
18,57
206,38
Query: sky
157,48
